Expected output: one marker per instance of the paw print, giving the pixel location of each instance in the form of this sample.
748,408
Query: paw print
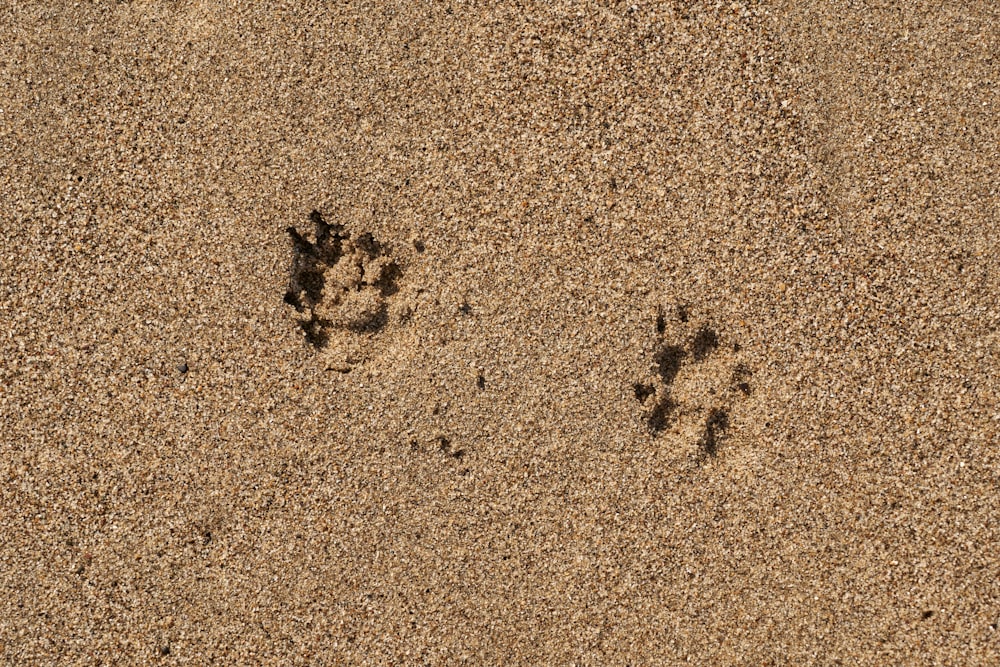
696,381
341,287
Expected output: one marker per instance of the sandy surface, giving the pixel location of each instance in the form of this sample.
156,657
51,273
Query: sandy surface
630,334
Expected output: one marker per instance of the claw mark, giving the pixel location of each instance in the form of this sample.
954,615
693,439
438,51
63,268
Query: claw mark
643,391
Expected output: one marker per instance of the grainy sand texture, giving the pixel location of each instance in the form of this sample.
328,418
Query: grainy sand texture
514,333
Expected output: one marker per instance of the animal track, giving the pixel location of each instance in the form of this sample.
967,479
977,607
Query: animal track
342,290
695,383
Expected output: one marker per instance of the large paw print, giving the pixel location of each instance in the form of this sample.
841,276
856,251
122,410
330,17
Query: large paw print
696,382
341,287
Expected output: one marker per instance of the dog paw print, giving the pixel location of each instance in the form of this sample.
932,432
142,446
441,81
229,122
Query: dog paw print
696,381
342,287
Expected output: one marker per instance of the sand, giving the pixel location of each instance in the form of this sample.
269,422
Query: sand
616,333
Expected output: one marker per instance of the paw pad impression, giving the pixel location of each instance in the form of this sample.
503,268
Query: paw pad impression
696,382
341,288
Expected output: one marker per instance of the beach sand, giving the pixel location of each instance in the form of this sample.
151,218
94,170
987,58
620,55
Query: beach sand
616,333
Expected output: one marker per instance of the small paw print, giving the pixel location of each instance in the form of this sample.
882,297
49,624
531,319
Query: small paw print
695,383
343,289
